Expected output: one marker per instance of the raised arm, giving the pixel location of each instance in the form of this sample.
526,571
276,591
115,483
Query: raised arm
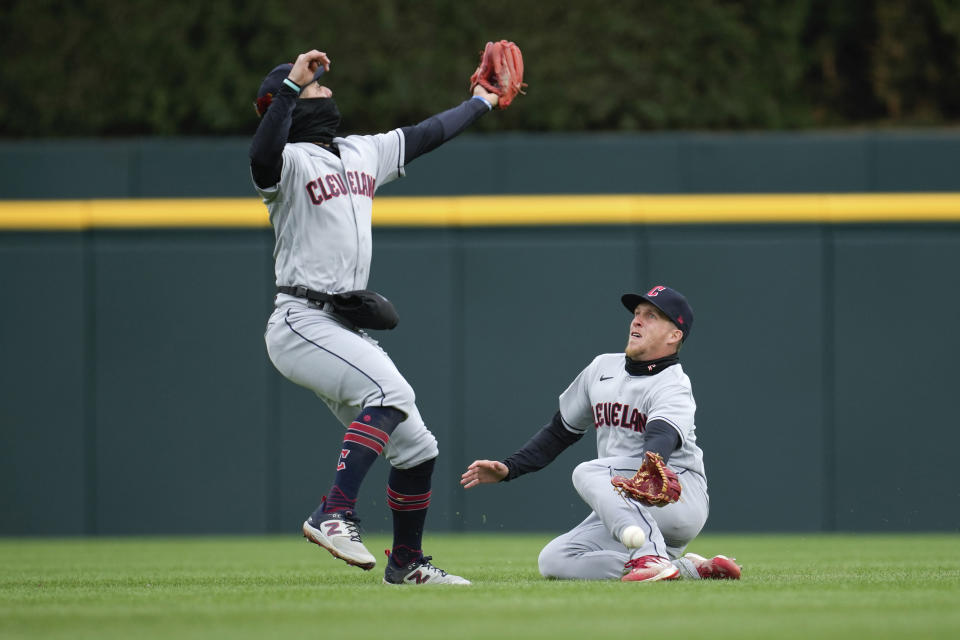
437,129
266,150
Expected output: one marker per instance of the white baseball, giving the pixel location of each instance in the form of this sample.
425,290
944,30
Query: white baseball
633,537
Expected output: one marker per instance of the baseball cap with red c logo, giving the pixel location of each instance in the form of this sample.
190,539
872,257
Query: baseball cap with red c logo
670,301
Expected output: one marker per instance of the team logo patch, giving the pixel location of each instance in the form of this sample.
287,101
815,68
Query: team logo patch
418,577
342,462
653,293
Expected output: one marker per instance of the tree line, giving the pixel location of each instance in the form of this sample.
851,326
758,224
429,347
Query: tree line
173,67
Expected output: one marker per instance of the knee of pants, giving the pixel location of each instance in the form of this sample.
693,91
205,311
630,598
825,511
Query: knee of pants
549,563
399,396
558,562
582,474
411,442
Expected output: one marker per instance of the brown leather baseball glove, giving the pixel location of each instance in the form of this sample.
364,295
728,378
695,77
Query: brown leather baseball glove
654,484
500,71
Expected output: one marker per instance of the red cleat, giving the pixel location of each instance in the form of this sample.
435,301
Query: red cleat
716,568
650,569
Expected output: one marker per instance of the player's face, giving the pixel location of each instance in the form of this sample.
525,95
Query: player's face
316,90
652,335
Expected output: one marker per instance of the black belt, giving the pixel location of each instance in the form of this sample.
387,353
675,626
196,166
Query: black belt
365,309
321,299
302,292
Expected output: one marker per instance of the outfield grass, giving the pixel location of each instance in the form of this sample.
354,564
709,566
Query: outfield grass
813,586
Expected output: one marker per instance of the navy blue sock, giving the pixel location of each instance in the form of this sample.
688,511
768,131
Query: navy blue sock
362,444
408,494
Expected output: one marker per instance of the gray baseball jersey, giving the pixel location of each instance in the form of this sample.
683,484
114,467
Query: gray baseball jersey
606,397
321,210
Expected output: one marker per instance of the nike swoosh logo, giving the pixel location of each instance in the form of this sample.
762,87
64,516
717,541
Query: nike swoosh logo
602,378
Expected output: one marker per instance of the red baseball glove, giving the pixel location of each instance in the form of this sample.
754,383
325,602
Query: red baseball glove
654,484
500,72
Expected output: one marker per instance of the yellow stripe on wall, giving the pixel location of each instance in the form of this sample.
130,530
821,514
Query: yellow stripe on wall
470,211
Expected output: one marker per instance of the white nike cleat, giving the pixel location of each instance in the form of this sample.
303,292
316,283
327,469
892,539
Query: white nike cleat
339,534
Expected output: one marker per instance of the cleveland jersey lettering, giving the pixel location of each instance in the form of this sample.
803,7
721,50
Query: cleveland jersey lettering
334,185
617,414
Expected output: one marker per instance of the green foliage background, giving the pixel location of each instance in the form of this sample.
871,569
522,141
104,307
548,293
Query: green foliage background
176,67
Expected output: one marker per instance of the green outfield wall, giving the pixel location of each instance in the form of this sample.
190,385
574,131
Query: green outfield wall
659,163
137,396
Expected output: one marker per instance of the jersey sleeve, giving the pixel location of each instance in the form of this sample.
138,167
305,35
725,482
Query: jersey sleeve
290,167
390,150
576,409
674,405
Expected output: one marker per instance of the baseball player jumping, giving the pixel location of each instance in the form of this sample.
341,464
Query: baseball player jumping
642,409
319,188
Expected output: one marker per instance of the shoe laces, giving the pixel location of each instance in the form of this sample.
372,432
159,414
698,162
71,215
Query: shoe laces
425,563
643,561
353,526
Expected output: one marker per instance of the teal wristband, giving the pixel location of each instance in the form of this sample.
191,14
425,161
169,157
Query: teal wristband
293,85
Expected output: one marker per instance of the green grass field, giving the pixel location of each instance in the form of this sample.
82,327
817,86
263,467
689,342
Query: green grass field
811,586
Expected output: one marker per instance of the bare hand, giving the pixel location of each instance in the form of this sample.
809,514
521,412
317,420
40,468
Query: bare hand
483,472
306,65
492,98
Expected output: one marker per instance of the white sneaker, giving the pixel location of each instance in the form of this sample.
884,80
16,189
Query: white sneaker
339,534
419,572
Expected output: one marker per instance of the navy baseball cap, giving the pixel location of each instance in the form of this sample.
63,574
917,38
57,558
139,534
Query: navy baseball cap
670,301
272,83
